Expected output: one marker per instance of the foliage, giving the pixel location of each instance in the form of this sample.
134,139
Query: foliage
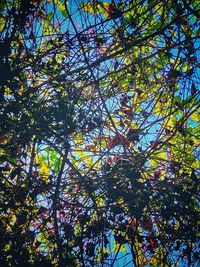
99,133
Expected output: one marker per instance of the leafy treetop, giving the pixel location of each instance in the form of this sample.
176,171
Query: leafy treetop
99,133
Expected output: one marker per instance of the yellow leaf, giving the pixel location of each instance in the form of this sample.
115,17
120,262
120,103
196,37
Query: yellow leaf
7,91
196,164
161,156
41,238
96,8
2,22
170,122
10,217
195,116
103,143
159,109
100,201
92,8
153,162
116,247
144,177
157,258
44,168
2,151
44,171
142,260
47,29
78,139
79,153
88,161
120,201
21,90
7,247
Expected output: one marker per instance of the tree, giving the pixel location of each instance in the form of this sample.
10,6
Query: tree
99,133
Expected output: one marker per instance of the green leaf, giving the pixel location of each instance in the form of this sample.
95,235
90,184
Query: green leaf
11,159
61,7
50,16
2,6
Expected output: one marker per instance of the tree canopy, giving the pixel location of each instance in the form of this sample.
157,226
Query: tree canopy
99,133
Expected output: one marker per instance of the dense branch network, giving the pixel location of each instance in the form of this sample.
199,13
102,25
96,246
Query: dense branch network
99,128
